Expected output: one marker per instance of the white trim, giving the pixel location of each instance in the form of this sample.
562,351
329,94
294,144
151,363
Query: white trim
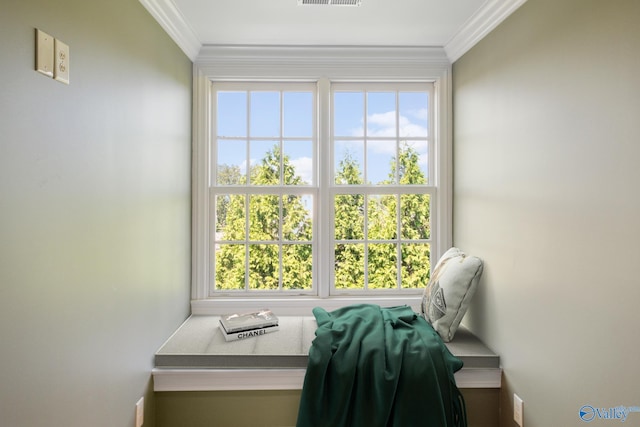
348,64
296,306
175,25
479,378
488,17
227,379
280,379
310,63
321,54
444,163
323,208
200,197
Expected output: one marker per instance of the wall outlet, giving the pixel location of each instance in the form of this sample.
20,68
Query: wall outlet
140,412
61,59
517,409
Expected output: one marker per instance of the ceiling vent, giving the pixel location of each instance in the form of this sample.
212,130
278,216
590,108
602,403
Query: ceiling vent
331,2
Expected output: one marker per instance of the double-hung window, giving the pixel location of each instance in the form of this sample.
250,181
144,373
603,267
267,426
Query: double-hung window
379,187
264,188
318,190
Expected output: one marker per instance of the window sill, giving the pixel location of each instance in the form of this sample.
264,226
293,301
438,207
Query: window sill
297,305
196,358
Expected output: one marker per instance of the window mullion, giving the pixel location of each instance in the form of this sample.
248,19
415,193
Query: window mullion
247,195
324,254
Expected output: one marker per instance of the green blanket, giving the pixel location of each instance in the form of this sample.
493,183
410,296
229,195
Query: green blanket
371,366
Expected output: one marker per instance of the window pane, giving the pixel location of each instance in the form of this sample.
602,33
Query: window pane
232,162
349,216
230,267
230,217
382,217
382,263
265,163
348,113
414,162
349,266
264,217
381,114
265,114
414,114
231,111
415,216
296,217
298,114
296,265
349,162
298,163
381,162
264,267
416,265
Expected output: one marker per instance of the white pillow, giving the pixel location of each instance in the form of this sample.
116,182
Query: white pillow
450,289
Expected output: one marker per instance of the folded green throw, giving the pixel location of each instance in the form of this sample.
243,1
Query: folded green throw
371,366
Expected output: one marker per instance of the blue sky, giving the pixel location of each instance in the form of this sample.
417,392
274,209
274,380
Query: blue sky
348,122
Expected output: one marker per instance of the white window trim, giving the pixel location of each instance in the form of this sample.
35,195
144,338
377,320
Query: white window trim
303,63
282,379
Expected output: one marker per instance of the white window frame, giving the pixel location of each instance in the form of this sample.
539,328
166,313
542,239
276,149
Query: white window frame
311,188
323,65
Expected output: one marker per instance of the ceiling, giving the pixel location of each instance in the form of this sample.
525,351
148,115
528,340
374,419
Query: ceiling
454,25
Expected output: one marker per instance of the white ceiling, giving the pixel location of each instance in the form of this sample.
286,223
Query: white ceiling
454,25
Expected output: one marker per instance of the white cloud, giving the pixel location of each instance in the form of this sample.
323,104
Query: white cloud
421,114
384,125
304,168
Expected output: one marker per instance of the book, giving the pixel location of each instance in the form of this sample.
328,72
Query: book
240,335
246,321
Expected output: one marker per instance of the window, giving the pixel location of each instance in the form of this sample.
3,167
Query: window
317,190
264,188
380,189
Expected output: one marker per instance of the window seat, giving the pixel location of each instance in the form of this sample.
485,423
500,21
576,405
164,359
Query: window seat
197,358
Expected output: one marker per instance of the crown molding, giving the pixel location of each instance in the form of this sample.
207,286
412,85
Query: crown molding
322,54
309,63
174,23
488,17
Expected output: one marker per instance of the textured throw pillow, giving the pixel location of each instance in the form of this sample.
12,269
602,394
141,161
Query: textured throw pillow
449,291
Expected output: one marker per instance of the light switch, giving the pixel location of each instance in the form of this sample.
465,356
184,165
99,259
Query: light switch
61,71
44,53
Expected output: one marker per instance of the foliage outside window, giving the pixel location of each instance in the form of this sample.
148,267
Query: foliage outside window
273,169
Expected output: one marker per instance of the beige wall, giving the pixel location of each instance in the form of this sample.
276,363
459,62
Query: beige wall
276,408
94,212
547,152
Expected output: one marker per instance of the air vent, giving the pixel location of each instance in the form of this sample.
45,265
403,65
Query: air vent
331,2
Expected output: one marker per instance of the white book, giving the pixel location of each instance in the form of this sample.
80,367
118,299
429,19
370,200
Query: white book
245,321
241,335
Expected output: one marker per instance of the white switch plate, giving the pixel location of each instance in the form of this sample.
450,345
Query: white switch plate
44,53
61,70
517,410
140,412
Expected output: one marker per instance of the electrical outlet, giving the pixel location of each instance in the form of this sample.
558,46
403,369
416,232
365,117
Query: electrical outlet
140,412
517,410
61,58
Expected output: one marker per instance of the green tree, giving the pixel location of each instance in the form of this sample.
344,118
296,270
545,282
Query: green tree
414,213
226,175
282,223
349,225
264,213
